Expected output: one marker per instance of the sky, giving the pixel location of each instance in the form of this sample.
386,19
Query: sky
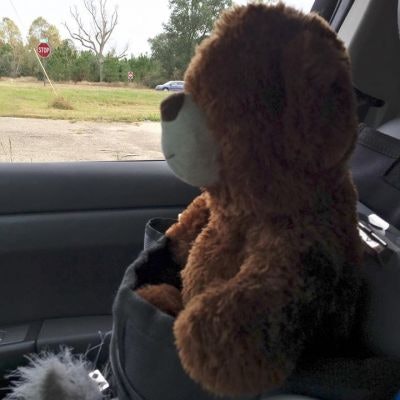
139,20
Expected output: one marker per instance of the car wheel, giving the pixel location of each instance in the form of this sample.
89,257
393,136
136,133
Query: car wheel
166,89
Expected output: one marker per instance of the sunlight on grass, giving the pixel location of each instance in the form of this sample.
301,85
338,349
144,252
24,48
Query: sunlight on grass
90,103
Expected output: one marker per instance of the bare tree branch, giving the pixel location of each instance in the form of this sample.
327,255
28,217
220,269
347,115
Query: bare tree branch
93,12
123,53
102,25
84,42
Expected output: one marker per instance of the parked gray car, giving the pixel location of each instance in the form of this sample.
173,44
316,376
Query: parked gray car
176,86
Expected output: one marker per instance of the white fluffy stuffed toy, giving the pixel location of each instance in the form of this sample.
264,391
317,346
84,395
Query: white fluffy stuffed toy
60,376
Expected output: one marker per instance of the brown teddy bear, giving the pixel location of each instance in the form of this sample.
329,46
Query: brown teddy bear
270,250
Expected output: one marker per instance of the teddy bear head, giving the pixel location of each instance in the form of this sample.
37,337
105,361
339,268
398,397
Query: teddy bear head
268,111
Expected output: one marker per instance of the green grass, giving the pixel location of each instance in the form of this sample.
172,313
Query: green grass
90,103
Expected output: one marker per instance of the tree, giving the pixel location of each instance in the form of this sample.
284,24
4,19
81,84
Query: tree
60,65
12,55
165,51
5,59
112,69
147,70
190,22
41,29
95,35
85,67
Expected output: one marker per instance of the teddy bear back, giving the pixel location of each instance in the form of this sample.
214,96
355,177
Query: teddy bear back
275,87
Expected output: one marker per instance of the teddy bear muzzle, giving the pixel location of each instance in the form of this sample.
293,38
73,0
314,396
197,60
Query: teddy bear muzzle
187,142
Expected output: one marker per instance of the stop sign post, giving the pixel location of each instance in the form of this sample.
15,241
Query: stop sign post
44,50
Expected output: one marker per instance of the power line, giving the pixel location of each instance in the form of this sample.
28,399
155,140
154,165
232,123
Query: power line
16,13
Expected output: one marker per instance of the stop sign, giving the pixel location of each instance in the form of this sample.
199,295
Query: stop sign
43,50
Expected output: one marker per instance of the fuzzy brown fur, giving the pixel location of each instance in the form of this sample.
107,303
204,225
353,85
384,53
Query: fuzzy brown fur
269,253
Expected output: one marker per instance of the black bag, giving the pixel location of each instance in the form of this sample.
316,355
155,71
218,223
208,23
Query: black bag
144,359
146,365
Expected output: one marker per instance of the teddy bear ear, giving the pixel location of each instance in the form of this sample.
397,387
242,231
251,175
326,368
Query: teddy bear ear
320,104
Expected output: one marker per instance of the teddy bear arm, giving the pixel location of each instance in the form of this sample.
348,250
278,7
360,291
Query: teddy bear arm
182,234
229,337
166,298
246,335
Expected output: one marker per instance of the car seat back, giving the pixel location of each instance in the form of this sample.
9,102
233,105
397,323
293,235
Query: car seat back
375,167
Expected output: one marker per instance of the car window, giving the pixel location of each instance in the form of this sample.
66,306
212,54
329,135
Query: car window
83,80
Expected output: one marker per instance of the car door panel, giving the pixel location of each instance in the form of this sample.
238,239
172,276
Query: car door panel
31,188
67,264
68,231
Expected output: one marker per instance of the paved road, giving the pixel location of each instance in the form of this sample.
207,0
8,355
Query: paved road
40,140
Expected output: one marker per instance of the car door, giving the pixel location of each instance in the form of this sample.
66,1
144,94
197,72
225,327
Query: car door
68,231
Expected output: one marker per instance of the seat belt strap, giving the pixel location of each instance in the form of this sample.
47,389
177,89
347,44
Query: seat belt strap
378,141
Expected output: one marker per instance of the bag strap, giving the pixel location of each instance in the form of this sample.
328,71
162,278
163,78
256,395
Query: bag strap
378,141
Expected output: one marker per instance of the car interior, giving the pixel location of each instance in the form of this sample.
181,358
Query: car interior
69,230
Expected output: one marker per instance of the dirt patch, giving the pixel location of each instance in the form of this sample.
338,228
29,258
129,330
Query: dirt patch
41,140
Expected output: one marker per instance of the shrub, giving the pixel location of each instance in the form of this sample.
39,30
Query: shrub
61,104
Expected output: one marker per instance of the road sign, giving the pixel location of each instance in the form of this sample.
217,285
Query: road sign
131,75
44,50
